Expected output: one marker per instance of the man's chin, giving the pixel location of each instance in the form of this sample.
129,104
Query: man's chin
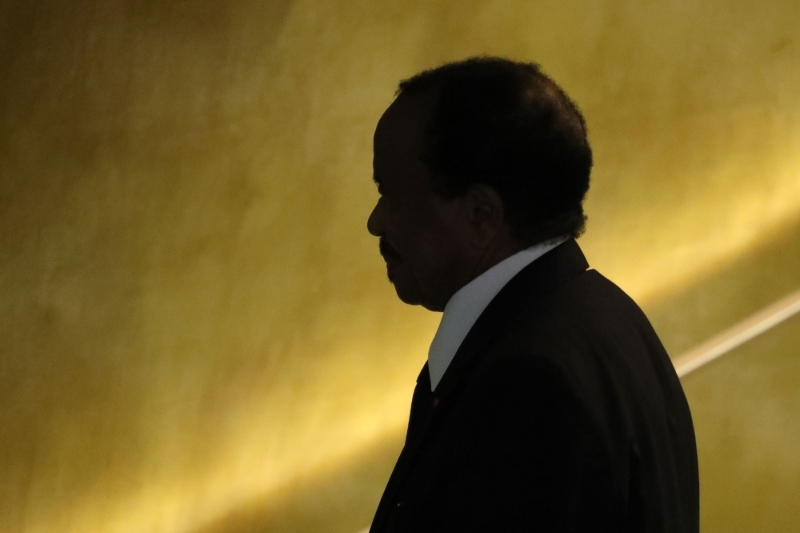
407,290
409,299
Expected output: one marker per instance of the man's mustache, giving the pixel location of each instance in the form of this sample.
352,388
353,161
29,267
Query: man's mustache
387,251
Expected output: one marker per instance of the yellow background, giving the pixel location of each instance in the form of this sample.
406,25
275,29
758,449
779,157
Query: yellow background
196,332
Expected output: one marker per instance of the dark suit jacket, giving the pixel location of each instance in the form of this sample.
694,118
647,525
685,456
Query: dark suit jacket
561,412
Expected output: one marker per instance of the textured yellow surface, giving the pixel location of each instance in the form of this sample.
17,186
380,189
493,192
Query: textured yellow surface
745,409
196,333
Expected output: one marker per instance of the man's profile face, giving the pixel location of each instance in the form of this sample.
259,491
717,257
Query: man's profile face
421,234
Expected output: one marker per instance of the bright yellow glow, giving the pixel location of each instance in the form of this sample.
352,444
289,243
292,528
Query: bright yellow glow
677,244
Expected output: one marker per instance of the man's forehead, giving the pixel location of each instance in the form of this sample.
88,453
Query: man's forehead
400,140
402,120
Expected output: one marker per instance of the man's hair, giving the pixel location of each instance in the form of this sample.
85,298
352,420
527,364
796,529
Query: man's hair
507,125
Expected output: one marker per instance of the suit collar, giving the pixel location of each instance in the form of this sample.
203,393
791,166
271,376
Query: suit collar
533,282
466,305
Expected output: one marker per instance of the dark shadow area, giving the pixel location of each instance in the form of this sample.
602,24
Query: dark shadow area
207,20
340,501
731,293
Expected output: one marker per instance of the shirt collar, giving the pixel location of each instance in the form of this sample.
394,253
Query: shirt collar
466,305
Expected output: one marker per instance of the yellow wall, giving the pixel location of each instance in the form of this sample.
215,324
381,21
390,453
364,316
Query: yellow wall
196,333
745,409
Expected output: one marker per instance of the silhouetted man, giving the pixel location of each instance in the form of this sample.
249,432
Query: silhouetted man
547,404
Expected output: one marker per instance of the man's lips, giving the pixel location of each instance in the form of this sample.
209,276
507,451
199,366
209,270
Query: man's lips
389,254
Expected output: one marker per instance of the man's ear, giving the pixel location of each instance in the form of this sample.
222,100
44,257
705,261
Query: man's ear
485,214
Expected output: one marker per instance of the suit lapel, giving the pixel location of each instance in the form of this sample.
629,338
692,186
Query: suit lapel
523,291
416,428
529,285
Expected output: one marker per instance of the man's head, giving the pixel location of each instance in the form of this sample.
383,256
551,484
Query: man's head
474,161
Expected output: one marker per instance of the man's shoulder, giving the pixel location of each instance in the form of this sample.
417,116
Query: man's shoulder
559,318
586,305
587,335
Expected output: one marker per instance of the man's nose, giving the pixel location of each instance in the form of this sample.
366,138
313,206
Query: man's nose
374,225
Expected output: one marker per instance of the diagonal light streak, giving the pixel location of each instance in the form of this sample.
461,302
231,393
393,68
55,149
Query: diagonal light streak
740,333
